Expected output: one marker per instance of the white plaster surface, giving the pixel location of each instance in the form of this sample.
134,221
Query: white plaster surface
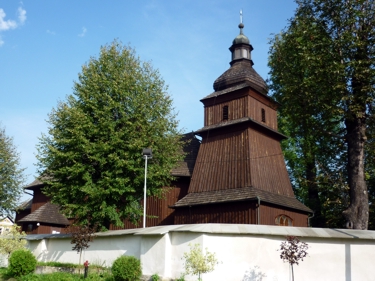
245,252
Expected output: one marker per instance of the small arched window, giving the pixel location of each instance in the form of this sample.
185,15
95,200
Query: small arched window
263,115
283,220
225,112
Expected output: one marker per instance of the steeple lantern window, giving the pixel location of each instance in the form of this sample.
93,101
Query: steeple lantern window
240,53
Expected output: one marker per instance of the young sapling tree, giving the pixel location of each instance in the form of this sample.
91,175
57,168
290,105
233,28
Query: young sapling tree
292,251
197,263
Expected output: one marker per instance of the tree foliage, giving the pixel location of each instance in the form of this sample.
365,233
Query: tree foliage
92,157
197,262
293,251
322,72
81,237
13,240
11,175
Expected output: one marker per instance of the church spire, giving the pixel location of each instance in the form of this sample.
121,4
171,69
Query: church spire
241,48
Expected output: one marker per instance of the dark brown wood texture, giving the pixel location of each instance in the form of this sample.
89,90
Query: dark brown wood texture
267,165
268,214
245,212
157,210
255,112
236,109
39,199
240,158
236,212
222,162
242,103
21,214
42,228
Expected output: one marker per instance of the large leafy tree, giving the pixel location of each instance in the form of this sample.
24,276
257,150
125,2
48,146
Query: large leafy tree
322,71
11,175
91,160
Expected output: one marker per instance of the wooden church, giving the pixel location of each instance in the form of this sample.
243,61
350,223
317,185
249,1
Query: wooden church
240,174
236,174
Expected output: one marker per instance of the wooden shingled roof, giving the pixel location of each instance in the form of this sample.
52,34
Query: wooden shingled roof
242,120
34,184
25,205
240,194
190,149
48,213
239,72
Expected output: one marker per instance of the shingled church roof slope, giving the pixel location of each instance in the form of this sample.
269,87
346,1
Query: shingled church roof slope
240,194
35,183
185,167
48,213
25,205
238,73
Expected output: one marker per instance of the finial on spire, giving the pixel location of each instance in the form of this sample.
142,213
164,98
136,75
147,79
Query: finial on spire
241,25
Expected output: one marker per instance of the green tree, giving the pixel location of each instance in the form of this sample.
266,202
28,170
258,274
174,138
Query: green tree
12,241
323,65
197,263
314,156
92,158
11,175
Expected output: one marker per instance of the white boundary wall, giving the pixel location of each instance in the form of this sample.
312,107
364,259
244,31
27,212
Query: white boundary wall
245,252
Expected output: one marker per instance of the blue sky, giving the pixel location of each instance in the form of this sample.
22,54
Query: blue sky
44,43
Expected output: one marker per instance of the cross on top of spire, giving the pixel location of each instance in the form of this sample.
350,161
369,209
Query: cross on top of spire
241,25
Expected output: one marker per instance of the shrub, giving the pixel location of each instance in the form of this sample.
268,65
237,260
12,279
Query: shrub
21,262
155,277
126,268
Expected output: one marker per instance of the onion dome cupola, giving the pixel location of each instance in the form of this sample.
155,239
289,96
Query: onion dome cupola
241,70
241,48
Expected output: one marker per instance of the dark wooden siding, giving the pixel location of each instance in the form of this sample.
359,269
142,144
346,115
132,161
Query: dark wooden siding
267,165
255,112
236,109
239,159
235,212
22,214
244,212
242,103
42,228
39,199
222,162
268,214
157,210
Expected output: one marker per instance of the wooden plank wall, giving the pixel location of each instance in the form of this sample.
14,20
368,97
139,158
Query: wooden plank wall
39,199
236,109
243,104
157,209
42,229
222,163
255,112
267,165
268,214
235,212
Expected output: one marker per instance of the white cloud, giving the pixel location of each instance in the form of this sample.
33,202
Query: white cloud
6,24
51,32
11,24
84,30
21,15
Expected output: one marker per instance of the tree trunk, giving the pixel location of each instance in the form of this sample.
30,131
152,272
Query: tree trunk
313,195
357,214
292,272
